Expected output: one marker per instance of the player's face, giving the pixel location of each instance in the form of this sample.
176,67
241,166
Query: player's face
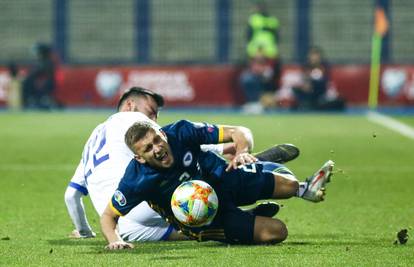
154,150
146,105
314,57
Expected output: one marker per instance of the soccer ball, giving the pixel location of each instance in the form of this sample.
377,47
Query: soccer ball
194,203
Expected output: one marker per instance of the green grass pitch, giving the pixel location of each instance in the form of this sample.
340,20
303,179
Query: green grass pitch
369,199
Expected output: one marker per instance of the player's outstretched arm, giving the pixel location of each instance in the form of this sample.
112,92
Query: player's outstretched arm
243,142
74,204
241,136
108,226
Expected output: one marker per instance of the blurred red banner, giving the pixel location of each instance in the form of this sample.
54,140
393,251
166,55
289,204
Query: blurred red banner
212,86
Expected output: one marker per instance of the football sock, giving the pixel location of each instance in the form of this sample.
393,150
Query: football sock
303,187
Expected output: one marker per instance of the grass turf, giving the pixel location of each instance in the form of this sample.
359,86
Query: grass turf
368,201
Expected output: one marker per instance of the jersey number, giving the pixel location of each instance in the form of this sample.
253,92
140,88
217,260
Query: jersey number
248,168
184,177
97,157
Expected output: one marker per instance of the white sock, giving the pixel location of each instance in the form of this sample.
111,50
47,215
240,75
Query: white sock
303,187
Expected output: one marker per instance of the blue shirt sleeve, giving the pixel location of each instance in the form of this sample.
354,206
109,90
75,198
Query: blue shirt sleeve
131,190
125,199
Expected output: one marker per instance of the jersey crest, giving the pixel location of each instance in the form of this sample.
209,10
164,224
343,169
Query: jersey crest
120,198
187,159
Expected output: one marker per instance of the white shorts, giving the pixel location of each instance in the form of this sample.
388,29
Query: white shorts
141,224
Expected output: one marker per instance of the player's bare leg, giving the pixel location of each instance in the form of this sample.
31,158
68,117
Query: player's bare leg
313,189
272,230
269,230
285,186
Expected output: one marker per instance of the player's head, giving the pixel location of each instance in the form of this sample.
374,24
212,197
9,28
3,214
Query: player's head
260,6
42,50
315,55
149,145
142,100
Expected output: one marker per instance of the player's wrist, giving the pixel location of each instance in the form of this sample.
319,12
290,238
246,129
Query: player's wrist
242,150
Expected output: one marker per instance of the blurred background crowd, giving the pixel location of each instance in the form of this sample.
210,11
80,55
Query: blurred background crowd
254,55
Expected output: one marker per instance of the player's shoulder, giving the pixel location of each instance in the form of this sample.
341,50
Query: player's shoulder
183,126
176,125
180,129
128,116
95,131
118,123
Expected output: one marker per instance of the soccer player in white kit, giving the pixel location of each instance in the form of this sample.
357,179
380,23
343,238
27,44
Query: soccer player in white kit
104,160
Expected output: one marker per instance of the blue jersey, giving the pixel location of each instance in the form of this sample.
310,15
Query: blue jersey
142,182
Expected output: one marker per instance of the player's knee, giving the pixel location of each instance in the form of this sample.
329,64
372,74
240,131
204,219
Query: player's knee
273,235
269,231
282,233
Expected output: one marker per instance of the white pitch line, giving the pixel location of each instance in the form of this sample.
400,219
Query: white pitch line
391,123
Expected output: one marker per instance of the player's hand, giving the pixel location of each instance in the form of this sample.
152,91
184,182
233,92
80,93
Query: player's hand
119,245
241,159
76,235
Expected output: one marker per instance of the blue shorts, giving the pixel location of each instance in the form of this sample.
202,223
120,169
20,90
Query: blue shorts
243,186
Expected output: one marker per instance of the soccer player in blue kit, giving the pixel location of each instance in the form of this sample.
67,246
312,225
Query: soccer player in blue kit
166,157
106,156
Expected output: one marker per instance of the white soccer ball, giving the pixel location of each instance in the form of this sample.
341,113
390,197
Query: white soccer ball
194,203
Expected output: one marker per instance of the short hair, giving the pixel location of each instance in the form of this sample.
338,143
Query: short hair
136,132
315,49
139,91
